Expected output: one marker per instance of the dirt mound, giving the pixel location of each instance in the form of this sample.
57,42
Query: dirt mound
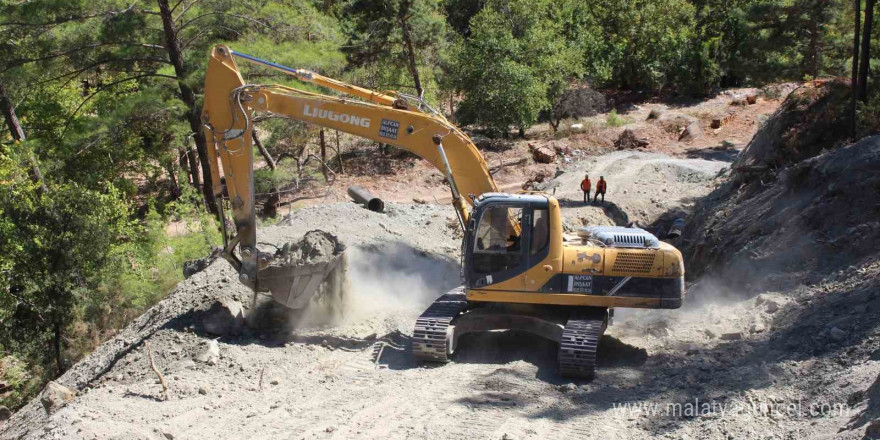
809,220
813,118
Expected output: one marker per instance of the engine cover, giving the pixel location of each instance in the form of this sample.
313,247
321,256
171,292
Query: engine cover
620,237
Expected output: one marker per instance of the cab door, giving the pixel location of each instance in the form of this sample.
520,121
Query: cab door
497,254
537,277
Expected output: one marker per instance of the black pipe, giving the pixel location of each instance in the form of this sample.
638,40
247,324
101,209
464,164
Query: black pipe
675,230
363,197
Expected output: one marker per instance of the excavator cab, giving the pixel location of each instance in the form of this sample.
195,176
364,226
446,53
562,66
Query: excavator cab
506,235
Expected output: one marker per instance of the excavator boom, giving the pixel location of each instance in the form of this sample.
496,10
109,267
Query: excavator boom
228,114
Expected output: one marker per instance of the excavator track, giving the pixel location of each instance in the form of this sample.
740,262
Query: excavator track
431,336
580,341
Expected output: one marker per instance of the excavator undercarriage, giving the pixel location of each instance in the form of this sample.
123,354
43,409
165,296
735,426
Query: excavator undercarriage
577,330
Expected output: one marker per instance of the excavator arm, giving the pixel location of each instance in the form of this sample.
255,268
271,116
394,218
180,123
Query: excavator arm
228,115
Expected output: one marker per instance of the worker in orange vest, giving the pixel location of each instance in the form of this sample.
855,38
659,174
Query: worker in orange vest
585,187
601,185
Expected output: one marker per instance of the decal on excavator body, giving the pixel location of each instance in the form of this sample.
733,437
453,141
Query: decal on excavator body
334,116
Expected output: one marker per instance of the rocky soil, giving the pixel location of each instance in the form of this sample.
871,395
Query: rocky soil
741,359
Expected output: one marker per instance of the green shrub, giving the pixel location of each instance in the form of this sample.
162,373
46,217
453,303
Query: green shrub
24,381
615,120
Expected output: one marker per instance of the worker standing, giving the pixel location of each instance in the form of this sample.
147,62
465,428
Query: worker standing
601,185
586,186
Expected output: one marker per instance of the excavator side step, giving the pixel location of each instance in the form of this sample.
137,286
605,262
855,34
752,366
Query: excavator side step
580,342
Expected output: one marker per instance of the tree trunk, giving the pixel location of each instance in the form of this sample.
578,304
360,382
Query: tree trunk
264,151
59,363
194,167
183,159
172,177
865,56
452,108
17,133
403,19
175,54
857,4
9,115
323,154
339,154
814,49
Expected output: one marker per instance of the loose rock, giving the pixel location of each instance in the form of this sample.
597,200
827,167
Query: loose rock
212,352
224,317
736,336
693,131
55,396
837,334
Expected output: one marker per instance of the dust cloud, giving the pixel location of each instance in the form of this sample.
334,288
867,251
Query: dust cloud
394,278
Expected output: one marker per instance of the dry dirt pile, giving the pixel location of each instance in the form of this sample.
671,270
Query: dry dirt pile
795,225
813,118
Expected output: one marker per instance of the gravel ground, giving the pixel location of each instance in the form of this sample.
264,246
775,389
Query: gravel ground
767,363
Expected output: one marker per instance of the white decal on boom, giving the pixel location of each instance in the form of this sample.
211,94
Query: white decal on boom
333,116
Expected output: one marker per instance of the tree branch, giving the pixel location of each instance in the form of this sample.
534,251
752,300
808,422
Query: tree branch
185,10
105,87
96,64
23,61
206,14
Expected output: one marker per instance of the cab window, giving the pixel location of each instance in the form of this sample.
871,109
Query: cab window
540,231
497,247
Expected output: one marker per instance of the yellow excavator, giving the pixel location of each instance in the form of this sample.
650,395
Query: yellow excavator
521,272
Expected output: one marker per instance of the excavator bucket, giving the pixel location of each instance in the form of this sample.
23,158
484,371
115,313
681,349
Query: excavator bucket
313,269
295,286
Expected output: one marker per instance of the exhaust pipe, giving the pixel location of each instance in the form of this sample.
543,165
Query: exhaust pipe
363,197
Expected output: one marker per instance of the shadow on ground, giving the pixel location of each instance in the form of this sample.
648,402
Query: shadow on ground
719,153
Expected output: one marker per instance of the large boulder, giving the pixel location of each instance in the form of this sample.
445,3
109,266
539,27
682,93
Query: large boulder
675,122
55,396
691,132
542,154
532,183
224,317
